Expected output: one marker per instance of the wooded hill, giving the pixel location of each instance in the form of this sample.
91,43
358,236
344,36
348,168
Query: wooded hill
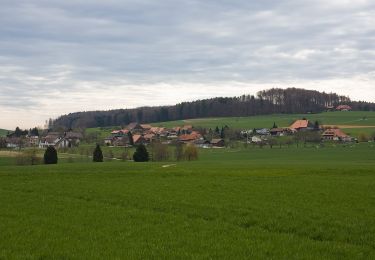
271,101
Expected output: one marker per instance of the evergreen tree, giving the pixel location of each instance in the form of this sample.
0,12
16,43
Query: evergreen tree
131,140
316,126
98,154
50,155
222,133
217,130
141,154
274,125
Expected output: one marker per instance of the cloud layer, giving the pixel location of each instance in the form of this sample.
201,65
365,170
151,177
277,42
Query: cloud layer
66,56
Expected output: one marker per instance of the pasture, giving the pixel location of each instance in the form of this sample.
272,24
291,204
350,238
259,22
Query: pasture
352,119
280,203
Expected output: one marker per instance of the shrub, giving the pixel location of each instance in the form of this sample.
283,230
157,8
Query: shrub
98,154
363,137
191,153
28,157
141,154
50,155
160,152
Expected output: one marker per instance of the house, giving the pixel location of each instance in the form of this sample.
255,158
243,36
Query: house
138,139
67,140
217,142
33,140
262,131
146,127
301,125
335,134
279,131
149,137
187,138
344,108
50,140
134,127
256,139
202,143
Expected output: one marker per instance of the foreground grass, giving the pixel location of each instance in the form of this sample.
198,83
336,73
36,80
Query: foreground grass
304,203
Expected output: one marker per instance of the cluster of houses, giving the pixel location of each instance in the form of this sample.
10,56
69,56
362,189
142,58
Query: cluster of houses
56,139
328,134
135,134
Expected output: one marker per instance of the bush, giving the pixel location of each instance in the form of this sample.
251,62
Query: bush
191,153
141,154
98,154
363,137
50,155
160,152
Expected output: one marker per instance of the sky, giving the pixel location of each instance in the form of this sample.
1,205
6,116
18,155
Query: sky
58,57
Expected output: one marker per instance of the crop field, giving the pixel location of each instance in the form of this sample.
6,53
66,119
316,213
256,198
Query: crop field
280,203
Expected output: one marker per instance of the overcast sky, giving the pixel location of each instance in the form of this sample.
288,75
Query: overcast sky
58,57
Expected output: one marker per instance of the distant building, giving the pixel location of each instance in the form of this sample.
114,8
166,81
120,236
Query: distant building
217,142
335,134
301,125
344,108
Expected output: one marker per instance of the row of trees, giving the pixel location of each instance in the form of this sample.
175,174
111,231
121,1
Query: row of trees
275,100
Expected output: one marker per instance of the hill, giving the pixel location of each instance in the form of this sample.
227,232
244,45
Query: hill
348,118
3,132
273,101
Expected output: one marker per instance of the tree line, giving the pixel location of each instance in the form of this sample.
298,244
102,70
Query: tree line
270,101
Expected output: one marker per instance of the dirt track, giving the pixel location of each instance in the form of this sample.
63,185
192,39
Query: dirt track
350,126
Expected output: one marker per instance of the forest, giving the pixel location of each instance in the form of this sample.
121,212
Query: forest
272,101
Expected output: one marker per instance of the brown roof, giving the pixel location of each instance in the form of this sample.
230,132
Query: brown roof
300,124
137,138
335,132
216,141
146,126
190,137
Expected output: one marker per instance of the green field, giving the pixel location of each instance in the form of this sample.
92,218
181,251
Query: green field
288,203
282,120
3,132
353,118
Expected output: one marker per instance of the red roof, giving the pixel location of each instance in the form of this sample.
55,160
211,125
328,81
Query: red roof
190,137
300,124
335,132
344,107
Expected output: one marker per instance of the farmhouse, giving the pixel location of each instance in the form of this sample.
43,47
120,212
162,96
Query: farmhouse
134,127
279,131
344,108
301,125
217,142
138,139
335,134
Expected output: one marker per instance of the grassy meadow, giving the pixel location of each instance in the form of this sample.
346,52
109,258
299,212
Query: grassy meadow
352,122
366,120
3,132
280,203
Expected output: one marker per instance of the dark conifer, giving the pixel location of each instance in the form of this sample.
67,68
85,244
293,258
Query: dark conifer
98,154
50,155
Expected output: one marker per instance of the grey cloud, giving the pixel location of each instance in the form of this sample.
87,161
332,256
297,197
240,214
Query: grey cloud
53,47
